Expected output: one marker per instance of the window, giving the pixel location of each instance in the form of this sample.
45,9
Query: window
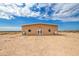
29,30
49,30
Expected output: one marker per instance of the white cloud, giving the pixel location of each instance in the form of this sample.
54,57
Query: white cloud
62,11
65,12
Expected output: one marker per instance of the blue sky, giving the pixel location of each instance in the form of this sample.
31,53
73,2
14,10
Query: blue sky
13,16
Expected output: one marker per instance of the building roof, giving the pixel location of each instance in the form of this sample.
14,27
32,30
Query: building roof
39,24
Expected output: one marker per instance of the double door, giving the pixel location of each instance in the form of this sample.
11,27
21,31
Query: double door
39,31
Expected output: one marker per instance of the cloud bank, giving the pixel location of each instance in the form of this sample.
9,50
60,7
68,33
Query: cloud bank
54,11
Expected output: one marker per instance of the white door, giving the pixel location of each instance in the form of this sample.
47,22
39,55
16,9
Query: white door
39,31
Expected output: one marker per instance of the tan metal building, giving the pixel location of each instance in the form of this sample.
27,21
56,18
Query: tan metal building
39,29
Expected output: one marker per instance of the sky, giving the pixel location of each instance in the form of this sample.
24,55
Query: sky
14,15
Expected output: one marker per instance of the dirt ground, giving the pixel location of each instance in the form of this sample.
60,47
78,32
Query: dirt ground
66,43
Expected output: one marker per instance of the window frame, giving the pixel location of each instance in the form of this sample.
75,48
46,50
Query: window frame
29,30
49,30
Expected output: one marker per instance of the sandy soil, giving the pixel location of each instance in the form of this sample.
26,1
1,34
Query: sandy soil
66,43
